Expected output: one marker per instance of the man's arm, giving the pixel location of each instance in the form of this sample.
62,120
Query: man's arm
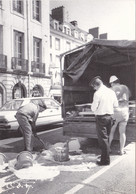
116,104
33,125
95,102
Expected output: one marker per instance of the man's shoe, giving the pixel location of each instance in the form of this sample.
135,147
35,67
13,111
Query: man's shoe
102,163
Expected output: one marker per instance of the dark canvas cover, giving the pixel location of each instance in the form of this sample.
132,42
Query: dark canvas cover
102,53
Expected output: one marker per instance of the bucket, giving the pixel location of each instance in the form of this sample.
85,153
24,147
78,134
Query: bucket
61,154
3,159
24,160
74,145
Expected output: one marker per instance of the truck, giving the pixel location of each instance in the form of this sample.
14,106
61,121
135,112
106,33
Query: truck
78,66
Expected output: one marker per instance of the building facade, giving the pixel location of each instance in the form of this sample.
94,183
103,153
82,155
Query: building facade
64,36
24,48
31,41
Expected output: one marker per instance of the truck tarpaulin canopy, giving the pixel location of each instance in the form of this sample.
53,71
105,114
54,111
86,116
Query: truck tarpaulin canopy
99,52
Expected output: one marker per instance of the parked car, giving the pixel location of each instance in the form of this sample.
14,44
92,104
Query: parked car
50,116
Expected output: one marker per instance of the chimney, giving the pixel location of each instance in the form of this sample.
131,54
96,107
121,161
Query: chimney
94,32
74,23
58,14
103,36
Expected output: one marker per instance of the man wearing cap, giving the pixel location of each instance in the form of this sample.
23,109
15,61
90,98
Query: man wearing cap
121,113
104,101
26,117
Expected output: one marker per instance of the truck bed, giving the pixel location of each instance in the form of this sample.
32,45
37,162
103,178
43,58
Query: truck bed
85,126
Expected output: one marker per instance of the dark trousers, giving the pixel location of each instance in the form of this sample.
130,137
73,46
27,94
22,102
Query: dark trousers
103,128
26,130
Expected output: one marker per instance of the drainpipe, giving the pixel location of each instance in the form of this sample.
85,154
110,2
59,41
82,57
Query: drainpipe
27,18
62,92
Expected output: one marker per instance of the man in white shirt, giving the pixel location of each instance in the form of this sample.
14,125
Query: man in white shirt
104,102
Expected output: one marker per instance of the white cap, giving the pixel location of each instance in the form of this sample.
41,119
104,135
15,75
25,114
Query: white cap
113,78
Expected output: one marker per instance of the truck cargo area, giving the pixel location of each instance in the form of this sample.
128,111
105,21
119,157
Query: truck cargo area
103,58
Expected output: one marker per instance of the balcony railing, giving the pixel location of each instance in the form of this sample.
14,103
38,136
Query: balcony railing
37,67
19,64
3,62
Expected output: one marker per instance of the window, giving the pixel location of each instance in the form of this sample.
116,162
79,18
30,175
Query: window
68,31
13,105
56,25
50,41
19,45
0,3
16,104
37,10
65,30
1,39
76,34
50,58
82,36
57,44
51,103
89,37
1,96
37,49
57,61
18,6
68,46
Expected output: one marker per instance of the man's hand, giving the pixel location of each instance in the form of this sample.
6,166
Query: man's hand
35,134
